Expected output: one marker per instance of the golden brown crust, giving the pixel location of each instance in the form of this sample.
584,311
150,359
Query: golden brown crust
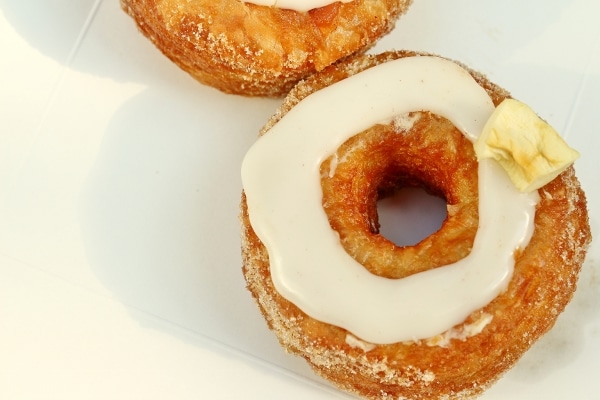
254,50
544,279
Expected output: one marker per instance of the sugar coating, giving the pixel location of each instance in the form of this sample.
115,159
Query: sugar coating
256,50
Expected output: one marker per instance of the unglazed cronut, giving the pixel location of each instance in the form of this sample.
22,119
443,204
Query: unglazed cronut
254,50
428,152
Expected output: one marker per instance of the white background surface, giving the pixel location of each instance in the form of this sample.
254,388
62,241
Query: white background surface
119,189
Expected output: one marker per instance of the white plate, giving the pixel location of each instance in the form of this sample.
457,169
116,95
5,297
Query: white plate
119,189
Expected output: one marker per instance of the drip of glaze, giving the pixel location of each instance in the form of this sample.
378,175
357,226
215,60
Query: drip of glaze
309,266
297,5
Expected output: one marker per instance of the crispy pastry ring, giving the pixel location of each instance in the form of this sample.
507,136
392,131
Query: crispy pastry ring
255,50
462,362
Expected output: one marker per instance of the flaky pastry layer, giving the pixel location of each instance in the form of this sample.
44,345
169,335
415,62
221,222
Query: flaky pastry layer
254,50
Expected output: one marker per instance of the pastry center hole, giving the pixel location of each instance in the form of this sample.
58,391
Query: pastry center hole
410,215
